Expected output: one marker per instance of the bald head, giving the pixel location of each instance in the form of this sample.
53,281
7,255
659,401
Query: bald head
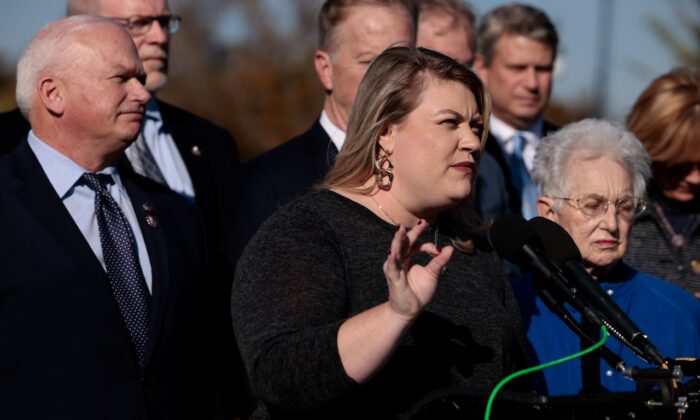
39,58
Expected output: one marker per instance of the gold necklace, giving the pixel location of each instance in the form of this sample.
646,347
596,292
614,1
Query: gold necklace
386,213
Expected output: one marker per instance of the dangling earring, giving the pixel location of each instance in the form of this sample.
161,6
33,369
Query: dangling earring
383,171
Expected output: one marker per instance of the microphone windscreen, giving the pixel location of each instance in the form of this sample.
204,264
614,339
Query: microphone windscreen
558,244
508,235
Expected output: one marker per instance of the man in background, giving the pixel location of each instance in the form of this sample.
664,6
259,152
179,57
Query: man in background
449,27
103,272
516,48
351,34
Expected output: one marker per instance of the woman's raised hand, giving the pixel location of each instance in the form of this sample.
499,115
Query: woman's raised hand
412,286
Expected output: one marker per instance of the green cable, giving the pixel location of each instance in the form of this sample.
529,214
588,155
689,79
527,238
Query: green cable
512,376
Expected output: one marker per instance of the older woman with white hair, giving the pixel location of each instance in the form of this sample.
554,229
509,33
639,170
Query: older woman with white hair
591,177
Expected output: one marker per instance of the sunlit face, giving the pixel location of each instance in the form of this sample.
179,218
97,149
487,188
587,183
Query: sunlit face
104,96
602,240
366,32
154,45
519,79
435,150
443,32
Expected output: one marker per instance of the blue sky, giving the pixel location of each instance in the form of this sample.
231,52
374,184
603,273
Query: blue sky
637,55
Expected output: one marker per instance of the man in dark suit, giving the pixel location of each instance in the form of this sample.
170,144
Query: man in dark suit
516,48
103,273
351,34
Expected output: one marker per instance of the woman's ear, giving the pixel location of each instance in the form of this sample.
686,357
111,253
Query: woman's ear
545,208
387,139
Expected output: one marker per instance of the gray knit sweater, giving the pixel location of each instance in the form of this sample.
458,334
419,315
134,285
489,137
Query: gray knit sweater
317,262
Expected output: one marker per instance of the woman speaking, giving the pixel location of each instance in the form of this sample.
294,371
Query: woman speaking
356,300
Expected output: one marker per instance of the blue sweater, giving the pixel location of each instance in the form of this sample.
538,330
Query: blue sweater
667,314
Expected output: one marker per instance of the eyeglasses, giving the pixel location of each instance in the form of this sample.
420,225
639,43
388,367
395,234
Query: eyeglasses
594,205
139,25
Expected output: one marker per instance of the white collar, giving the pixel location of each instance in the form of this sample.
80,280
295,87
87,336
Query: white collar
336,134
504,132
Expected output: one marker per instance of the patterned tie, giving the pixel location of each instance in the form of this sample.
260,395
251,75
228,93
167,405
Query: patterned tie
121,260
521,178
144,163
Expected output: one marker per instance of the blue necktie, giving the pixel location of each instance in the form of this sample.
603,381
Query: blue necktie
121,261
522,181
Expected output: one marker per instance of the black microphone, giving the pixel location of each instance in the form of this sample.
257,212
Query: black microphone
562,250
515,240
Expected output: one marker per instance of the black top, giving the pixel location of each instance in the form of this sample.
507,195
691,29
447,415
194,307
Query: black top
317,262
650,247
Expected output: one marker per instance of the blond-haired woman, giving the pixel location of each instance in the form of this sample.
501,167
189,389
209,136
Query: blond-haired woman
665,241
327,323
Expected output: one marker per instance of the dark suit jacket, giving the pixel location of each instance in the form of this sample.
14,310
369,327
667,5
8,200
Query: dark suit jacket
13,130
496,194
211,158
66,353
209,153
278,176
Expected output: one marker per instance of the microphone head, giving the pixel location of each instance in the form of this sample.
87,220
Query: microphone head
558,244
509,234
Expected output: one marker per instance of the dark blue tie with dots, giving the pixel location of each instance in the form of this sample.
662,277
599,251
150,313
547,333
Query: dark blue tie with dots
121,261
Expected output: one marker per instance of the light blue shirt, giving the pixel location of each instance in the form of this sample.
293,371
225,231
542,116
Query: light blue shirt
79,199
165,152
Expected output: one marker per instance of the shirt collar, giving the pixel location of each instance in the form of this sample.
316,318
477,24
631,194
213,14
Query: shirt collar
336,134
63,173
504,132
152,111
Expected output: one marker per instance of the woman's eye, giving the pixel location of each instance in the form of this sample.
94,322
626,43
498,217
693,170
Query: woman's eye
450,122
477,129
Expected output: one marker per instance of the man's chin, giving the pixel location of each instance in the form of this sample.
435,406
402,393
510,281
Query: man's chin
155,81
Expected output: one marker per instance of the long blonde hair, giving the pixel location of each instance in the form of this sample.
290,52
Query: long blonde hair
390,90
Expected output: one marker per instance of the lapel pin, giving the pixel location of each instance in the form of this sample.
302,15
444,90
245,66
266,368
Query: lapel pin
147,207
151,221
196,150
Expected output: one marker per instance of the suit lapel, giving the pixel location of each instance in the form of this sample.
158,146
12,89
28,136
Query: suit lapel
321,150
45,206
147,216
191,151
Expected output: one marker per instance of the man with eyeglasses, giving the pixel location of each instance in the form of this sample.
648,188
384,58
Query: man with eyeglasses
185,153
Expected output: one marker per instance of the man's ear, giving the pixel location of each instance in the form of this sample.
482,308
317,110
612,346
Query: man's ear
480,68
50,94
387,139
324,69
545,208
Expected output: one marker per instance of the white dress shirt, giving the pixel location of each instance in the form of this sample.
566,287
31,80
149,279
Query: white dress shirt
336,134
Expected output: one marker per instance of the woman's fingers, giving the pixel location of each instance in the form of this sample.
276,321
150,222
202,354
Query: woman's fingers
440,260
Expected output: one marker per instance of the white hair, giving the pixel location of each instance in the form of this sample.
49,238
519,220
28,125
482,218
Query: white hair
49,51
557,154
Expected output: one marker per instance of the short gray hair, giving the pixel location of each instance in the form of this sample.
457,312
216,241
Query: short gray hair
49,50
516,19
557,154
